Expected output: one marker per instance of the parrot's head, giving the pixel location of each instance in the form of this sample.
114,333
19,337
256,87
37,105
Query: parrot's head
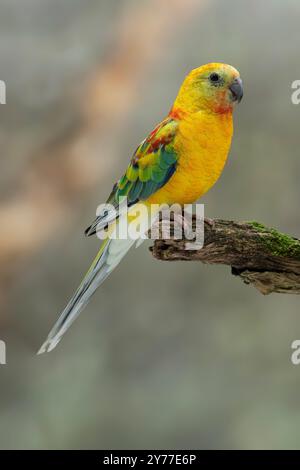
213,87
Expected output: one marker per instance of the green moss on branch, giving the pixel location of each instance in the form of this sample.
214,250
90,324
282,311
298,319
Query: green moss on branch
279,244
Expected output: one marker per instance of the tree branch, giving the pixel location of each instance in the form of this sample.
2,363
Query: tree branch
261,256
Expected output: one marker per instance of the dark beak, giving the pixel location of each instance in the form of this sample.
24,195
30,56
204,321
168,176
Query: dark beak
236,89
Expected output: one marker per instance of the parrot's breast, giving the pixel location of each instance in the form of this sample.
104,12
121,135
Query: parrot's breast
202,145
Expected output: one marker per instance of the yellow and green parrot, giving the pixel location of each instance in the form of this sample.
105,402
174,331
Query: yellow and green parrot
178,162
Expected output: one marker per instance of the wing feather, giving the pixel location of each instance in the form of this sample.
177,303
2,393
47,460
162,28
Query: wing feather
151,166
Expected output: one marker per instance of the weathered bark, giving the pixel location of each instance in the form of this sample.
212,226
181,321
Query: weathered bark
259,255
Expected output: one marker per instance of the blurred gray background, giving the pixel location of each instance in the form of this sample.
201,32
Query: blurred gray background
166,355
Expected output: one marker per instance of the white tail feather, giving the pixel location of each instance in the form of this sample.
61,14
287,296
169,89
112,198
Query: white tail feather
111,253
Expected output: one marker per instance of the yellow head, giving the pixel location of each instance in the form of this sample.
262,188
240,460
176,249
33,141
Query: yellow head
212,87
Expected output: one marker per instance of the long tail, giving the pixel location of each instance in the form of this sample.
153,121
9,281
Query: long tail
110,254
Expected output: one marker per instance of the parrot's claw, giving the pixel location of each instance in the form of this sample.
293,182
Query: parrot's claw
209,221
182,225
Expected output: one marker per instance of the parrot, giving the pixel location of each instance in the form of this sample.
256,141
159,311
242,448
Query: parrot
179,161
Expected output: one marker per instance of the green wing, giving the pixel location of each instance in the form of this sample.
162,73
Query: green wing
151,166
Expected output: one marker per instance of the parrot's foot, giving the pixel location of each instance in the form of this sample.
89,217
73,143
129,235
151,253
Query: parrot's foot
177,227
161,229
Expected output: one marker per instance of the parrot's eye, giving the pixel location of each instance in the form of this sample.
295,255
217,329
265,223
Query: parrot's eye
214,77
